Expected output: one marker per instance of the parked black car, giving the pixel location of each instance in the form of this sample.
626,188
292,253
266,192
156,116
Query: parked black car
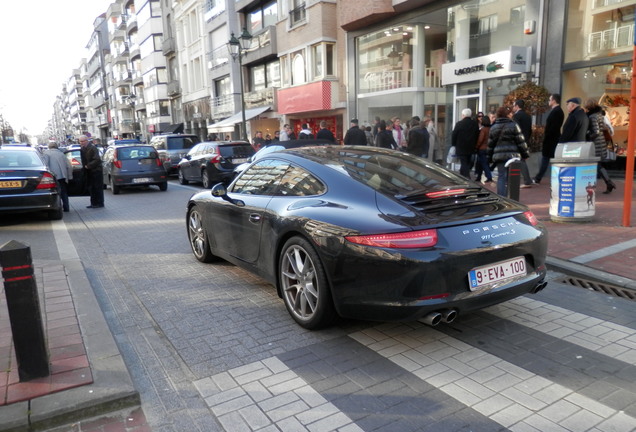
370,233
26,184
133,165
172,148
213,162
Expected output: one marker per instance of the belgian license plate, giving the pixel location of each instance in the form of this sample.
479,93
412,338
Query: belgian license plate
10,184
142,180
239,160
486,275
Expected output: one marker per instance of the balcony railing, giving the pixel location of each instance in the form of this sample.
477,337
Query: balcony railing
297,15
218,57
397,79
611,39
259,98
222,106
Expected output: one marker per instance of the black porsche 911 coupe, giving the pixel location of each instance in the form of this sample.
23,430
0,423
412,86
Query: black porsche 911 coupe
370,233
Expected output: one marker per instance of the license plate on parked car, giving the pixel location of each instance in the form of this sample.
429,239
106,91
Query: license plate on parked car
486,275
239,160
142,180
10,184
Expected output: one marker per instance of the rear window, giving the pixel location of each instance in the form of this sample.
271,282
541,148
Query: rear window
19,159
236,151
181,143
127,153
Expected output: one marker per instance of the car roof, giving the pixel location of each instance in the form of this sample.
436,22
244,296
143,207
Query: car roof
18,147
300,143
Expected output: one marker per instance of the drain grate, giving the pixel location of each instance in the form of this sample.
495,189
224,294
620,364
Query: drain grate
599,287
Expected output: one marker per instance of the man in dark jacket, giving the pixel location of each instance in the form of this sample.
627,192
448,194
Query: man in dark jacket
576,124
418,139
464,139
524,120
551,134
92,167
325,133
355,135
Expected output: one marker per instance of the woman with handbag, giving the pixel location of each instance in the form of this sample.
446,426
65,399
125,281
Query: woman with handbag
595,134
505,142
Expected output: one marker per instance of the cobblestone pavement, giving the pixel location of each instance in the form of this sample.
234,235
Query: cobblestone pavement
212,348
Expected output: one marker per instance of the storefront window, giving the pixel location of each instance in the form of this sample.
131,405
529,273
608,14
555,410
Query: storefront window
599,28
480,28
385,59
610,86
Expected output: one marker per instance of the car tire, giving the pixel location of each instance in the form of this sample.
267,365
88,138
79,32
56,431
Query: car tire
304,285
55,214
198,238
205,179
163,186
182,179
114,189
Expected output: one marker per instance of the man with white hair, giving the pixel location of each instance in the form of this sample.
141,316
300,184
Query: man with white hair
464,139
61,167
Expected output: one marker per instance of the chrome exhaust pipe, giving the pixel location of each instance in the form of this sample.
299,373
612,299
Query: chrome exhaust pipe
449,315
539,287
431,319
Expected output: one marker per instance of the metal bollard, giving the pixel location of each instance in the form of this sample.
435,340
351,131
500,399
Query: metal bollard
514,178
24,311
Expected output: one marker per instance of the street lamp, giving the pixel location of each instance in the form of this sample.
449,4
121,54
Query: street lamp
237,48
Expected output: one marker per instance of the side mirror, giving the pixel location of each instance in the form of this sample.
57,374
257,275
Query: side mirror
219,190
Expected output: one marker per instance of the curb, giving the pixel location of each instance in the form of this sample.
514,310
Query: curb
582,271
112,388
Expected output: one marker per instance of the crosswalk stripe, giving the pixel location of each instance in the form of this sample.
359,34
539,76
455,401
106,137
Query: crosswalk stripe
612,340
510,395
266,392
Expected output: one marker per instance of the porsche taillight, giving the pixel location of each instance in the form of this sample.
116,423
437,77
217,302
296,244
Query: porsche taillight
403,240
47,182
531,218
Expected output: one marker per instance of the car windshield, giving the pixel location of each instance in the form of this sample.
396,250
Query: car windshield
390,173
19,159
265,150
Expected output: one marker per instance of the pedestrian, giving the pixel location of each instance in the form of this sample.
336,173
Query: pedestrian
258,141
481,165
325,133
92,168
505,142
369,134
268,139
305,132
385,137
59,165
575,126
376,127
355,135
284,133
436,151
398,133
524,120
418,139
464,139
595,134
276,136
551,134
213,137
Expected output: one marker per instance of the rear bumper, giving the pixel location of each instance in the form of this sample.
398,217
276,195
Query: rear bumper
139,179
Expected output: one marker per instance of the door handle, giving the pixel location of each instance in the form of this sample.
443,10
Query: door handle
255,218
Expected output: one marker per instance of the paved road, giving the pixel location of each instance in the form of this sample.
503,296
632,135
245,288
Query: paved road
211,347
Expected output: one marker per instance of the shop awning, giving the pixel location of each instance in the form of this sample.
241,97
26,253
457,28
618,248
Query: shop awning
227,125
173,128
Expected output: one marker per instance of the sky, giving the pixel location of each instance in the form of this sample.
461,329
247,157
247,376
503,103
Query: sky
41,42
